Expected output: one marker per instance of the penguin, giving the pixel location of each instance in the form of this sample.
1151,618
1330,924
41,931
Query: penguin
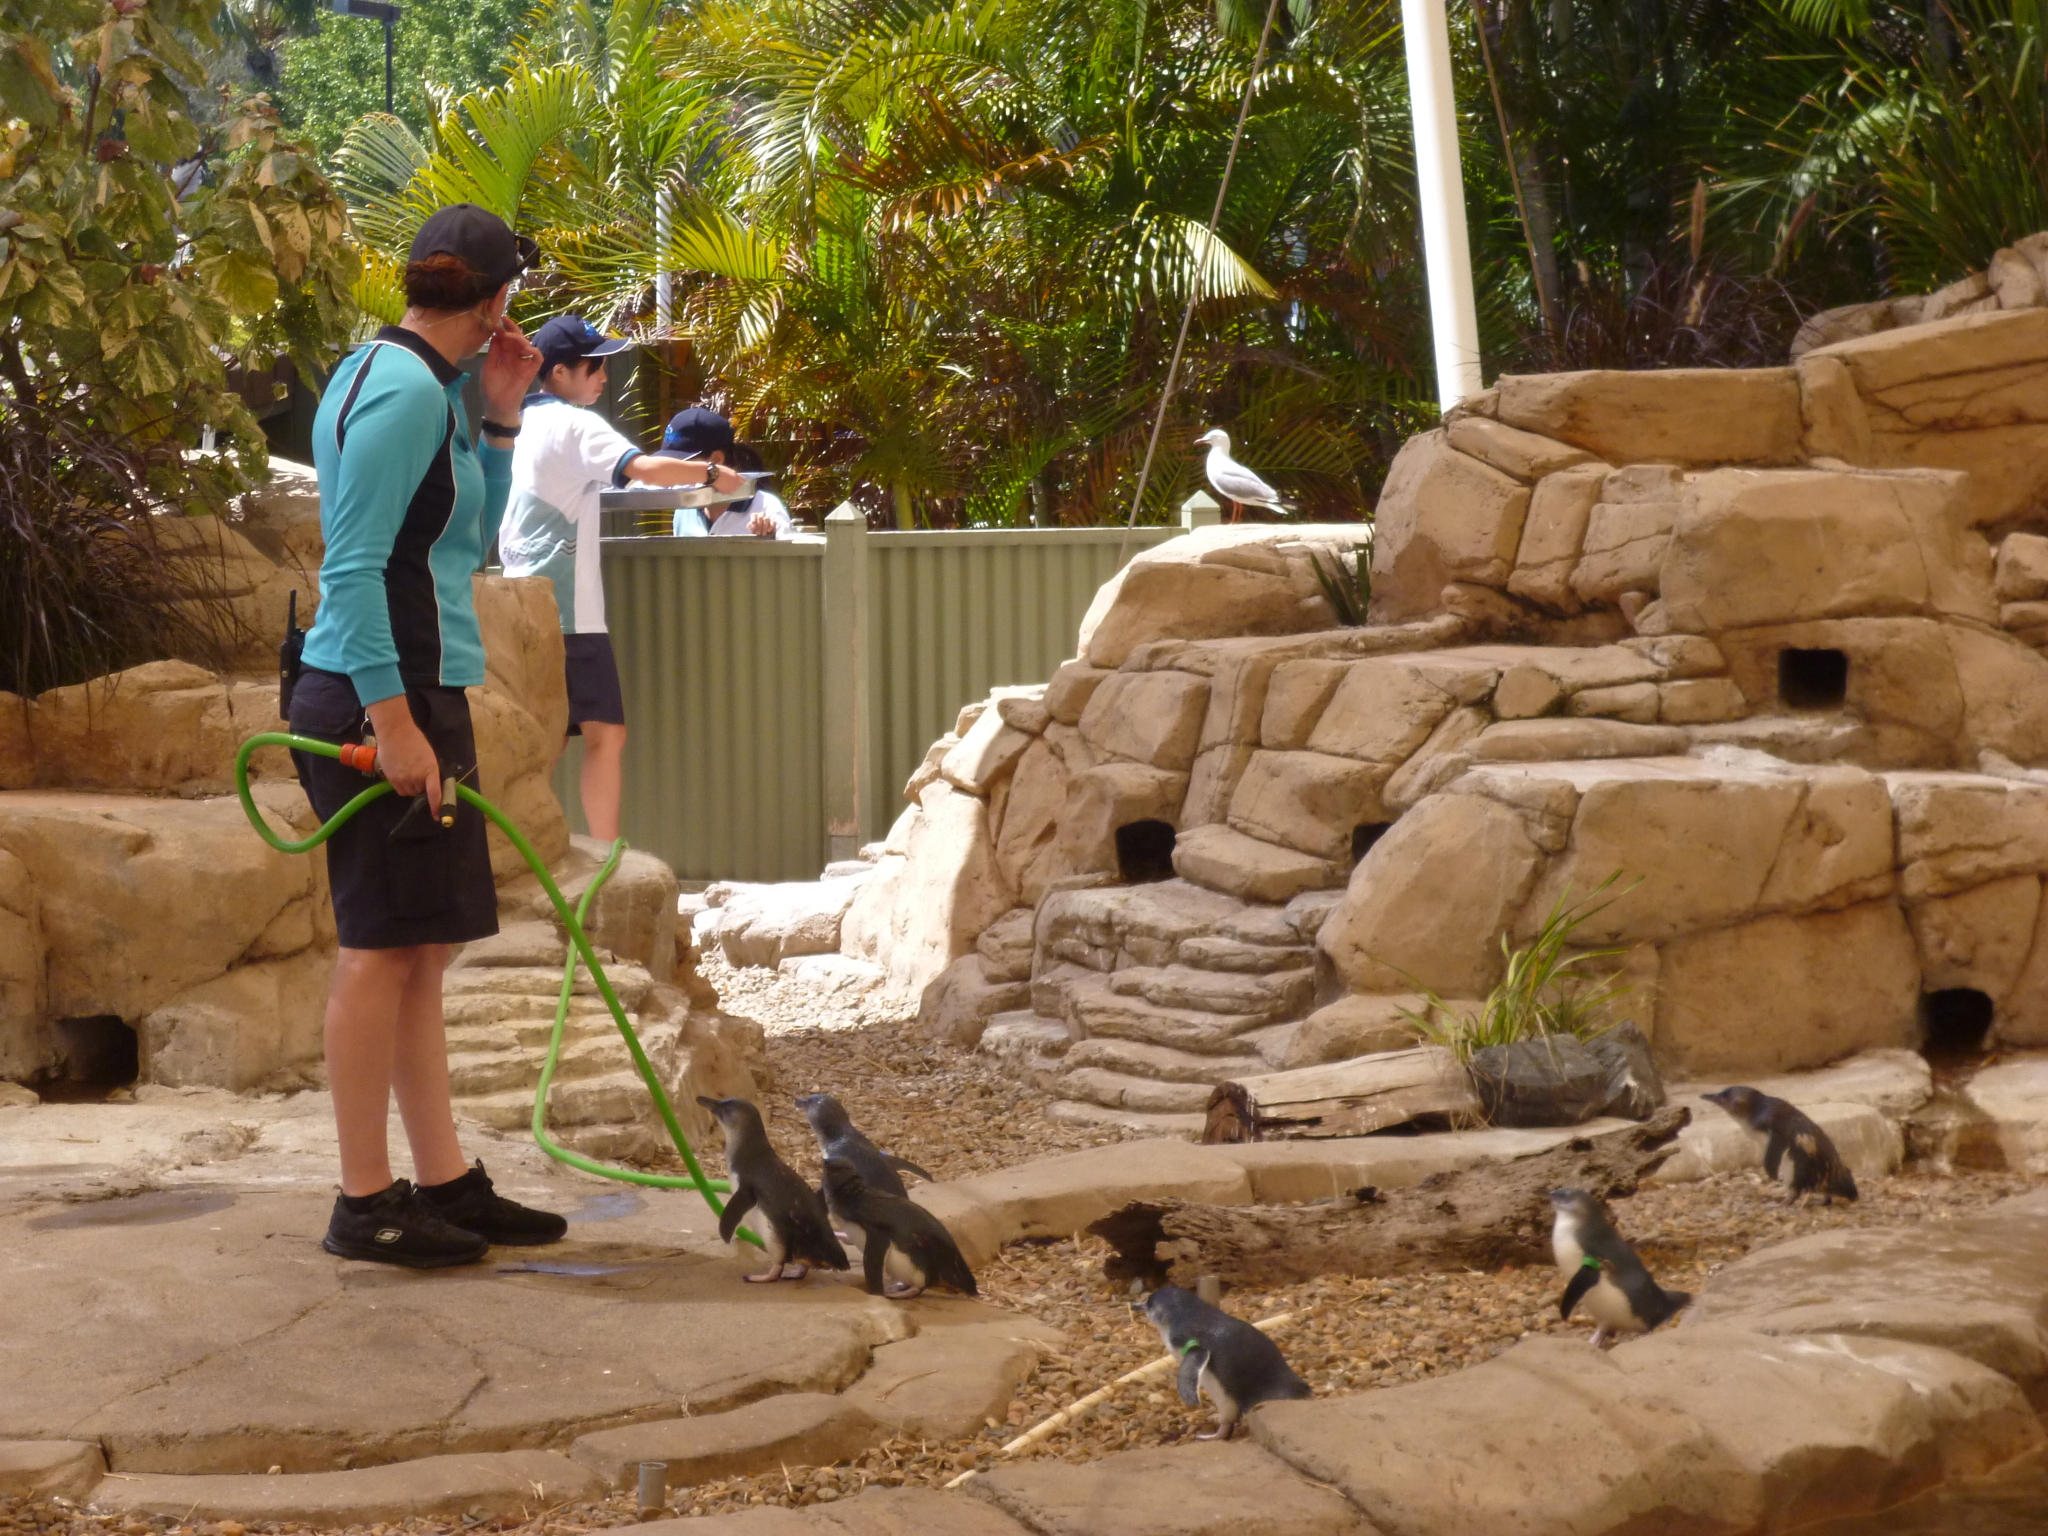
901,1241
838,1138
1222,1358
1816,1165
792,1217
1600,1268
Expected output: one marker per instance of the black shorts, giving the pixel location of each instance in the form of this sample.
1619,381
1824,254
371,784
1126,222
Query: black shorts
594,692
399,877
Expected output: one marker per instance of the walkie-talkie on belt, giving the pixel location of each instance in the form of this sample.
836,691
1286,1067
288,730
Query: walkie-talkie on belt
288,654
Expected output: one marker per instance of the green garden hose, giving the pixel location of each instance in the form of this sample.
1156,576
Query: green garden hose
579,950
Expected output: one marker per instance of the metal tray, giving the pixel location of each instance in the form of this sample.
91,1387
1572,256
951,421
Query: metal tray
666,498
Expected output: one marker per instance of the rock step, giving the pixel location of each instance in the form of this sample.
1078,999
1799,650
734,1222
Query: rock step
488,1008
1268,999
613,1098
1161,1063
1120,1090
530,1033
794,1429
502,1483
1074,1112
631,982
1214,952
477,1074
1097,1009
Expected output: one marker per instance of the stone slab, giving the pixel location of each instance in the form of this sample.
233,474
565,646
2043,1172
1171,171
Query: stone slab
50,1468
1894,1082
1549,1439
951,1382
1058,1196
877,1512
201,1330
1226,1489
1977,1287
1870,1143
520,1483
807,1429
2012,1096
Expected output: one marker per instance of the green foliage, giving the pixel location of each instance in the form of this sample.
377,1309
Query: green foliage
126,288
334,74
1546,989
1347,584
940,248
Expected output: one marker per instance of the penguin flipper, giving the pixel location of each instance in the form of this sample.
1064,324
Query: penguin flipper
1190,1380
1583,1279
874,1261
742,1201
905,1165
1774,1152
810,1238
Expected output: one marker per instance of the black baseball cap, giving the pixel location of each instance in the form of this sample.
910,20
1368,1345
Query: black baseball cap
571,339
698,430
477,238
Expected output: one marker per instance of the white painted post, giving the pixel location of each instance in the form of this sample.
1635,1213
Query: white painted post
1200,511
664,290
1453,312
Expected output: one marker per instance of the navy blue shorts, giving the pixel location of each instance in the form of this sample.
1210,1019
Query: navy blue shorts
594,690
398,877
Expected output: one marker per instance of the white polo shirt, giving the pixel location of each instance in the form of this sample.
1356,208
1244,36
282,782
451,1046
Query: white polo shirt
563,457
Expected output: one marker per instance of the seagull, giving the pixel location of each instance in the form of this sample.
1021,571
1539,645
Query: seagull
1236,484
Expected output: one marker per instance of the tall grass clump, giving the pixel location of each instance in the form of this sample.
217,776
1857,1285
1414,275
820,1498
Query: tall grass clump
1547,989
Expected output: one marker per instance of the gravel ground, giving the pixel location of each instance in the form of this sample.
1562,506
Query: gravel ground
958,1116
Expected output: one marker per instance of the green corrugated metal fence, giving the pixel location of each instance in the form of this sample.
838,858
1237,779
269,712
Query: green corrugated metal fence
778,693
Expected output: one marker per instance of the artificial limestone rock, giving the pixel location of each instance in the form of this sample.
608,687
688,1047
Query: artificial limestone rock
1674,415
1212,582
925,907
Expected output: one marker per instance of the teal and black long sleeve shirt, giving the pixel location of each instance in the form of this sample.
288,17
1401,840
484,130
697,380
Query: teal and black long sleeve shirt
408,507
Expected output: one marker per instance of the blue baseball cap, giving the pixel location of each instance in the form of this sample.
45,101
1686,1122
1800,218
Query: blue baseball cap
698,431
572,339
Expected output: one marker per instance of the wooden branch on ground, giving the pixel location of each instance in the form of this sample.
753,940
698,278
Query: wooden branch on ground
1366,1093
1479,1218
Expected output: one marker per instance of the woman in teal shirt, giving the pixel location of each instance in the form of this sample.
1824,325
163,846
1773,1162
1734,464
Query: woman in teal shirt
408,508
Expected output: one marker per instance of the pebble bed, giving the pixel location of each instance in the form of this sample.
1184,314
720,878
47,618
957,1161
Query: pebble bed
958,1115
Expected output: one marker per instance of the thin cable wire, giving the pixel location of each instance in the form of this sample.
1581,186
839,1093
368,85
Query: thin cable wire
1187,315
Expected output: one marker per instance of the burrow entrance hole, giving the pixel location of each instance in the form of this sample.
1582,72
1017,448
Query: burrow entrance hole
1813,679
96,1054
1955,1021
1144,852
1364,835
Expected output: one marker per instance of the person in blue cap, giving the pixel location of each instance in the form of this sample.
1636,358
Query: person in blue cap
566,454
699,433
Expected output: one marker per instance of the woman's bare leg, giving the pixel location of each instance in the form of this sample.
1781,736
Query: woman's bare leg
419,1074
361,1038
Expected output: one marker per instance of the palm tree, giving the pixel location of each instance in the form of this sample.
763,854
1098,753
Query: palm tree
939,248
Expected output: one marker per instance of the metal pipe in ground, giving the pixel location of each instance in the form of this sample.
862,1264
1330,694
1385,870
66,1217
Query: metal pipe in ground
653,1487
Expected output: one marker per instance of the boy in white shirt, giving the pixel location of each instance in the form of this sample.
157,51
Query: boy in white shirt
565,454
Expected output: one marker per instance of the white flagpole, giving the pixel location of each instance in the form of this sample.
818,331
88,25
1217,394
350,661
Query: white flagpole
664,291
1453,312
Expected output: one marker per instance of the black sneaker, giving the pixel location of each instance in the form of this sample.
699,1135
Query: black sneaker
400,1228
471,1204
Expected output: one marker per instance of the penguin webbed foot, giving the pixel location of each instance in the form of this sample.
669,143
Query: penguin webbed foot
902,1290
768,1279
1220,1432
795,1271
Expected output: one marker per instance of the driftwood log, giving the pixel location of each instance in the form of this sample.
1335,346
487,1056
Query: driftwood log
1367,1093
1479,1218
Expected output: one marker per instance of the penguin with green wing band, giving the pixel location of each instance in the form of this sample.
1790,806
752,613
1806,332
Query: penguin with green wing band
1602,1270
1222,1358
